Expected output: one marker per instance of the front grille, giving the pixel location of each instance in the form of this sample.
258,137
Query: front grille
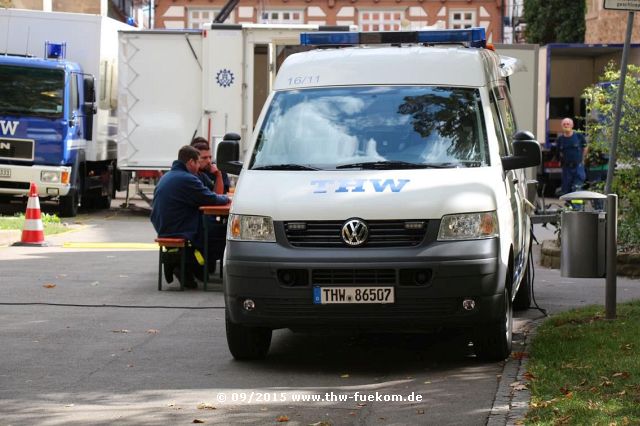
416,307
14,185
382,233
353,276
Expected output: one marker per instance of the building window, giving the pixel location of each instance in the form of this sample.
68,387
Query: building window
462,19
380,20
282,17
197,17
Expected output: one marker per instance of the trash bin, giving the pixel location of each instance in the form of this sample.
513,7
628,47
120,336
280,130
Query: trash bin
583,236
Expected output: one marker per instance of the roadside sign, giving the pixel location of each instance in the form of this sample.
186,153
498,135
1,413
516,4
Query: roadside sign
622,4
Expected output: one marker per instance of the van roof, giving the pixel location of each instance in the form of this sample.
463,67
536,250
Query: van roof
406,64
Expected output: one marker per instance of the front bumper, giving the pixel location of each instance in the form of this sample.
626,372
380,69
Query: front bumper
20,177
457,271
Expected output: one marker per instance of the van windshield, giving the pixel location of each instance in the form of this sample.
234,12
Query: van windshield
31,91
382,127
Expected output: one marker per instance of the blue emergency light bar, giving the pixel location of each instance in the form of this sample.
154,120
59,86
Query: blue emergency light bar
55,50
473,37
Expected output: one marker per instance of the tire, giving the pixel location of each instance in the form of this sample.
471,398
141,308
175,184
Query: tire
68,204
247,343
493,341
523,296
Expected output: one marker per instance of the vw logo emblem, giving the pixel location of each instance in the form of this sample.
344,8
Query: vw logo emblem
355,232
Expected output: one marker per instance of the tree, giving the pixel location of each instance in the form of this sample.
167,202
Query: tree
551,21
600,100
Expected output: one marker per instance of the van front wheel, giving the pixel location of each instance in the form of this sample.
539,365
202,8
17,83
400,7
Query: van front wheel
492,342
247,343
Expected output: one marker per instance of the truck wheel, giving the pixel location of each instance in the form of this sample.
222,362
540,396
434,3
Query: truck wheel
523,296
493,341
68,204
247,343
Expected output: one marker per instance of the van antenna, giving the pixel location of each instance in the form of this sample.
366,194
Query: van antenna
26,48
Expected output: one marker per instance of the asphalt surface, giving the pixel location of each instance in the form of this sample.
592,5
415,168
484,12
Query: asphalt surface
87,339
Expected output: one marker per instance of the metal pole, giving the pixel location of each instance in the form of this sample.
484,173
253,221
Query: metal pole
611,257
618,109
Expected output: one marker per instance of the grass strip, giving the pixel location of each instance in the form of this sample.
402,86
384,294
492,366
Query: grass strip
51,223
585,370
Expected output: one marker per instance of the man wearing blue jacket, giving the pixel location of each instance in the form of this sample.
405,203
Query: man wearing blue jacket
176,202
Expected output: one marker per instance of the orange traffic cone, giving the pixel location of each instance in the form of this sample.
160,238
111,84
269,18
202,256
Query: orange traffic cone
33,230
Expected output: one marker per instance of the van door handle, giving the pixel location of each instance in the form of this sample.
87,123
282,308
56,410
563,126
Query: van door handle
515,181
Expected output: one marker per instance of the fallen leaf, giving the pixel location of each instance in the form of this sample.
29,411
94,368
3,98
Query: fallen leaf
419,411
622,374
282,419
198,421
129,365
519,386
361,404
320,424
264,409
69,405
49,285
583,382
606,382
120,331
95,283
519,355
427,383
627,347
563,420
528,376
171,404
205,406
565,390
344,376
153,331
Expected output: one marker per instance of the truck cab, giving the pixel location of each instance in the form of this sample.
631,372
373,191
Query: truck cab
383,190
46,117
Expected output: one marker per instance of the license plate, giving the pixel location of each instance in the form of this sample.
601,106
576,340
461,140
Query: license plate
5,173
329,295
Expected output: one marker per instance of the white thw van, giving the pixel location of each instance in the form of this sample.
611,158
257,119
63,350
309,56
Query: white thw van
383,190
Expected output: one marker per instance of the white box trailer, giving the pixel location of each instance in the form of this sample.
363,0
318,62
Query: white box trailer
175,85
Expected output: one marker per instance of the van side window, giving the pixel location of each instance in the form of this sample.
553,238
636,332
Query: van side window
506,113
73,94
503,147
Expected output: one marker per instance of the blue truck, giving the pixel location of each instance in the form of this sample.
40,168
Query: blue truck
58,121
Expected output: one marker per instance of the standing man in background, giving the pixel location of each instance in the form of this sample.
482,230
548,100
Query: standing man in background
573,150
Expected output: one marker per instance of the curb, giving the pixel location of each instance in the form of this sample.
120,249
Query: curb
513,396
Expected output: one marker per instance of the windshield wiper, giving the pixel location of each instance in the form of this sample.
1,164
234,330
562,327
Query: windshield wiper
386,165
285,167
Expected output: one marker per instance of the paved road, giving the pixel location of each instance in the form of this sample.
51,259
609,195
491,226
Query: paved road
87,338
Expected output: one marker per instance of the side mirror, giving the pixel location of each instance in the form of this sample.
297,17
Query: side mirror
228,154
89,105
526,152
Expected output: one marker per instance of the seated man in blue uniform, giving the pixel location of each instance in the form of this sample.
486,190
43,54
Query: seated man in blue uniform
176,202
218,182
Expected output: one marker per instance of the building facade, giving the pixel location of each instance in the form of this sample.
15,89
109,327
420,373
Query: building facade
367,15
607,26
120,10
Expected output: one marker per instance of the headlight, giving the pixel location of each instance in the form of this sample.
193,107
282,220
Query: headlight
468,226
50,176
251,228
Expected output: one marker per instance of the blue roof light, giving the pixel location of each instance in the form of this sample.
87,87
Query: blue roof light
55,50
329,38
474,37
